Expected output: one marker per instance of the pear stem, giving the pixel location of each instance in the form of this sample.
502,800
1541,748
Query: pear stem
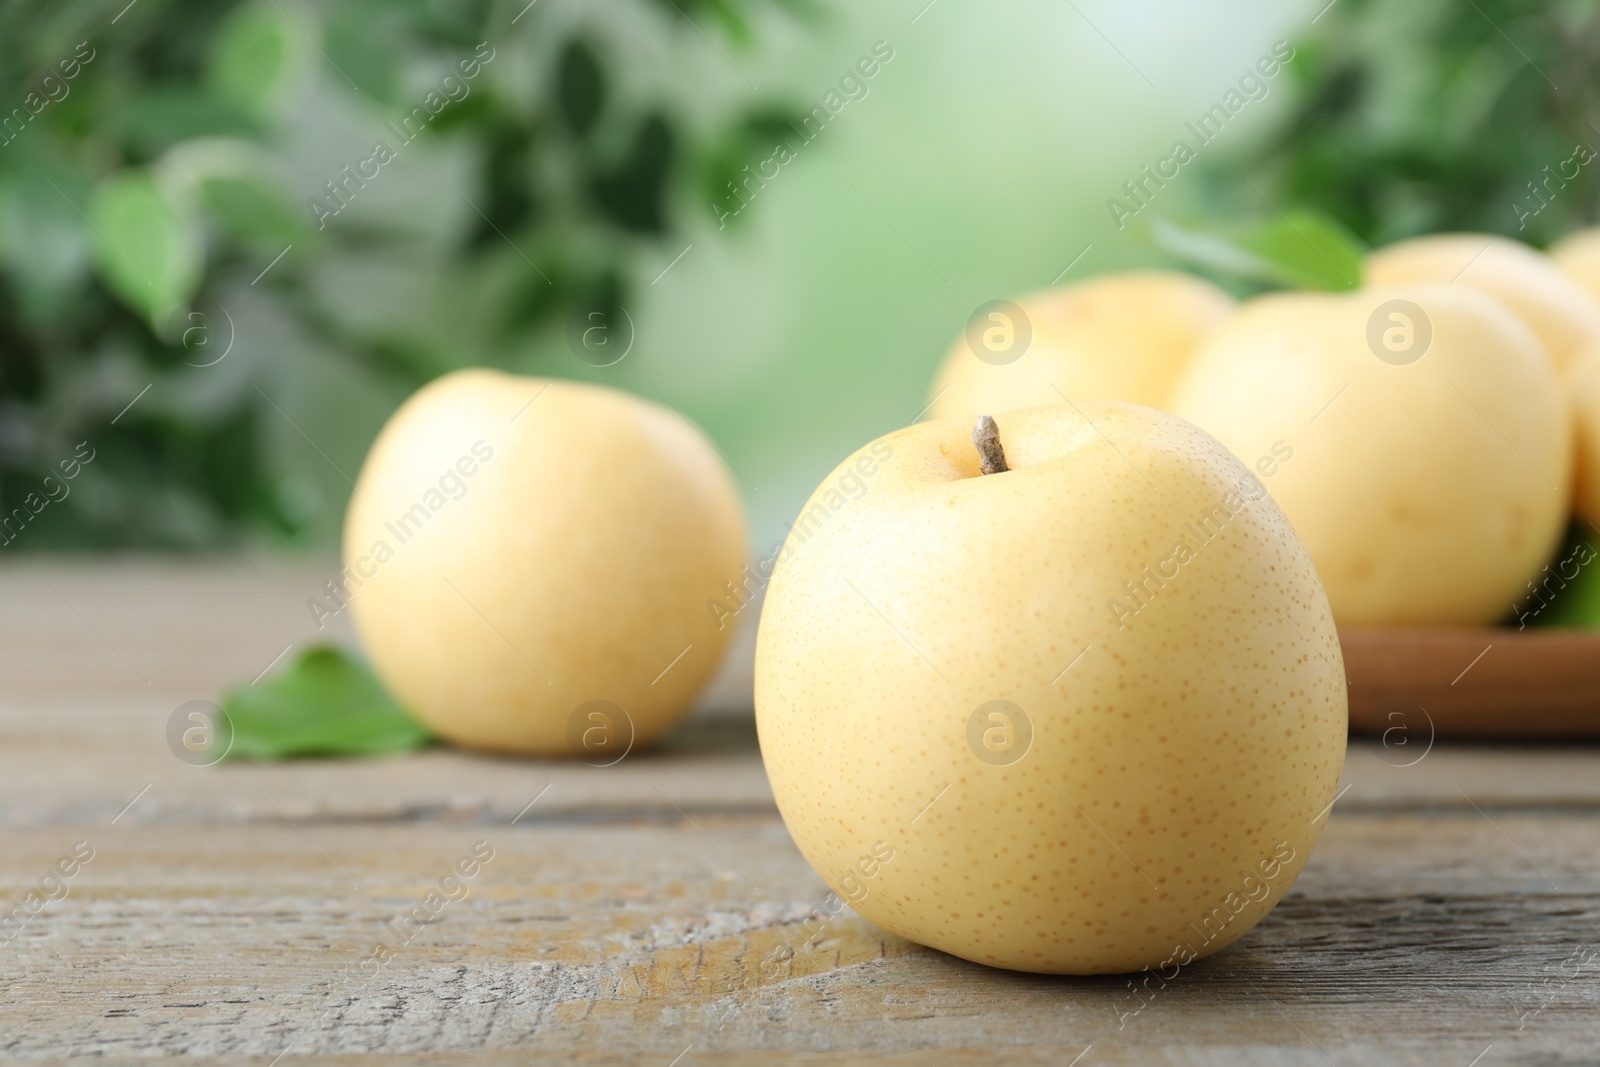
986,437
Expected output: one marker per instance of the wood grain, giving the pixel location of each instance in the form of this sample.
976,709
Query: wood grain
653,910
1407,935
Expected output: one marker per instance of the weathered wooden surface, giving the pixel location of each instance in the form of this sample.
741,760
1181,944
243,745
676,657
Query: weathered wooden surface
651,910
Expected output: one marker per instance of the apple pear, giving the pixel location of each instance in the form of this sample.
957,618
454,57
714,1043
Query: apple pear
1577,255
1115,337
1561,314
1583,387
1083,714
531,562
1432,442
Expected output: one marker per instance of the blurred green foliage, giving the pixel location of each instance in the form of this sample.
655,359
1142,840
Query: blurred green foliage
143,176
1431,115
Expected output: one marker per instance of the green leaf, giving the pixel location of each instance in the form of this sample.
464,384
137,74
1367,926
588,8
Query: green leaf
725,13
240,186
1297,250
1207,250
632,192
580,87
732,19
147,248
362,44
1311,249
44,244
156,118
251,210
326,703
258,58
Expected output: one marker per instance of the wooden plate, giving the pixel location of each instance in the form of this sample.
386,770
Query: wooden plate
1474,682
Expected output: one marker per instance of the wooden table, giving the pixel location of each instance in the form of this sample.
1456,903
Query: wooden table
1451,914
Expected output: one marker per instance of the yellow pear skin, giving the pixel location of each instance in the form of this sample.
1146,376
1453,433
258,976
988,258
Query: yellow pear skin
1583,387
1429,488
1578,257
1120,336
1561,314
1082,715
574,563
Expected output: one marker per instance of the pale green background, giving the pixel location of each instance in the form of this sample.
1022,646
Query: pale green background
991,142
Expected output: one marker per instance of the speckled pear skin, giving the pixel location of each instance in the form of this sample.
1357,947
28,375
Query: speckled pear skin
1427,492
1123,336
1185,745
1554,306
574,564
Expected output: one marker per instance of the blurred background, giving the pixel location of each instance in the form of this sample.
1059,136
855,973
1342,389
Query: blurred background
234,236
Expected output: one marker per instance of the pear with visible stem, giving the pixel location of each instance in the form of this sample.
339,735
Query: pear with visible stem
1059,692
